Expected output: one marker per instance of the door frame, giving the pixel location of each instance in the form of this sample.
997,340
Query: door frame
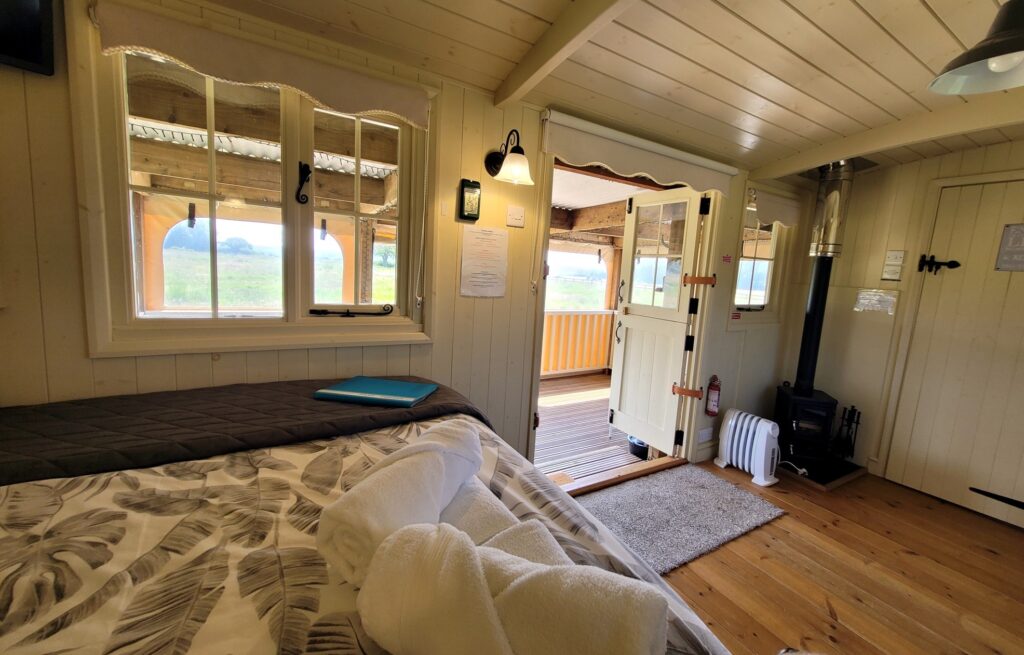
909,305
704,260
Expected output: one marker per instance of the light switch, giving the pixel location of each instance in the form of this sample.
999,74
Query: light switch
516,216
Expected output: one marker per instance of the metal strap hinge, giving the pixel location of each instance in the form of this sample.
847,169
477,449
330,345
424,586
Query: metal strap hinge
680,435
689,343
694,304
705,205
687,393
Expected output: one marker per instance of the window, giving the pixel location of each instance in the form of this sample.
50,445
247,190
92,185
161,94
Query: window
359,212
210,177
206,222
658,261
576,280
754,274
195,235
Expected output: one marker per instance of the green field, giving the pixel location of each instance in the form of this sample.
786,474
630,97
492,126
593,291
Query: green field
567,293
253,280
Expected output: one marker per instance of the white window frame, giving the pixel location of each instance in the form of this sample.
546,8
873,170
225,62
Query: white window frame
102,171
773,263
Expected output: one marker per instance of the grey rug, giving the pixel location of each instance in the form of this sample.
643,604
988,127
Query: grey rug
671,517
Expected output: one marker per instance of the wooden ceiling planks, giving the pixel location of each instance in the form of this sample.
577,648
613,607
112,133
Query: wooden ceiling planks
968,20
652,58
915,26
618,115
815,46
722,29
742,81
857,32
515,19
711,133
687,97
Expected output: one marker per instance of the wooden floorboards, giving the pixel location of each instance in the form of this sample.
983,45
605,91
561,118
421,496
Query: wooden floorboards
871,567
574,436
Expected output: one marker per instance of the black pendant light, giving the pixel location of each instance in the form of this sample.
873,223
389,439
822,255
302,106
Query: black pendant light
995,64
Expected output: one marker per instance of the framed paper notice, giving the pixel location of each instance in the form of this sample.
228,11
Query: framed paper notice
484,261
1011,249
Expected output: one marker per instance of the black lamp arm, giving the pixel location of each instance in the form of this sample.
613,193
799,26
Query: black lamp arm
511,141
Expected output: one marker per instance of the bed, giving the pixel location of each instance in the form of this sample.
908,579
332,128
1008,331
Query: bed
185,521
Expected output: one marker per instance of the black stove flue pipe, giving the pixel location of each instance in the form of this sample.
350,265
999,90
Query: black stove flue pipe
826,243
814,321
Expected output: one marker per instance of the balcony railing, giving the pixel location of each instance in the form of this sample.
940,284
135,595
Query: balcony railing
576,341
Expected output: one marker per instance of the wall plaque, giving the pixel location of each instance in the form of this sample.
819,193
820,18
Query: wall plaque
1011,249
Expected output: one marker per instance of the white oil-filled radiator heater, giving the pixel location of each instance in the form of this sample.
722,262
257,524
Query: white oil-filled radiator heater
750,443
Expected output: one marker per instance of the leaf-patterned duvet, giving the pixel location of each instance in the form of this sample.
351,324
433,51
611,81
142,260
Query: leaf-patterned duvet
218,555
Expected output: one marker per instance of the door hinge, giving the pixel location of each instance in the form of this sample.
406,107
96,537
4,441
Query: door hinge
687,393
680,434
536,420
688,344
611,415
629,206
694,304
705,205
547,269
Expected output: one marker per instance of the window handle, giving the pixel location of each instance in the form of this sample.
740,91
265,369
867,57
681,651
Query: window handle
304,174
348,313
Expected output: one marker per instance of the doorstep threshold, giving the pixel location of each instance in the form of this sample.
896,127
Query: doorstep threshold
580,486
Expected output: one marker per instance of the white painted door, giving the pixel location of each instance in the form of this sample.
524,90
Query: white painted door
960,416
660,248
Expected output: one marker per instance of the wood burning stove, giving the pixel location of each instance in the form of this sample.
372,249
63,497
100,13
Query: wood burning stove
806,415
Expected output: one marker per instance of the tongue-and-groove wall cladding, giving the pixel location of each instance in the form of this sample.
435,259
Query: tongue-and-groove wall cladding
482,347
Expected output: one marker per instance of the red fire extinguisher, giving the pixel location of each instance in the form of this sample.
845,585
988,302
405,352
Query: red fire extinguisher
714,393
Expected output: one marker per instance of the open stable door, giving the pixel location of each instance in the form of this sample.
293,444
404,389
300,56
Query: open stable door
659,250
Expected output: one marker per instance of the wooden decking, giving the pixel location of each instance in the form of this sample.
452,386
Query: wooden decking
871,567
573,437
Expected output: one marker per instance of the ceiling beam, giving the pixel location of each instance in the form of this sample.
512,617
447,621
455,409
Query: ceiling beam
983,112
597,217
585,237
561,220
578,22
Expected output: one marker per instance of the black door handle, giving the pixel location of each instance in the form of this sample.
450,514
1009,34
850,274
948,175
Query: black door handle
934,265
618,327
621,284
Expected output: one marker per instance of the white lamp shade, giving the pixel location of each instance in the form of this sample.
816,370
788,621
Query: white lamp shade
515,169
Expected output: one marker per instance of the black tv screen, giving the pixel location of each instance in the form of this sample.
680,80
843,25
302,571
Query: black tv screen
26,34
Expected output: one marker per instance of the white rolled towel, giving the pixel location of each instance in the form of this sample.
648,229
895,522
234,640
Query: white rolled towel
561,610
430,591
477,511
412,485
531,541
425,594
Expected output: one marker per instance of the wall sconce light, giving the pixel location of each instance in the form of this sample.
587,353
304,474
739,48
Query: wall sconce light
509,163
751,200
